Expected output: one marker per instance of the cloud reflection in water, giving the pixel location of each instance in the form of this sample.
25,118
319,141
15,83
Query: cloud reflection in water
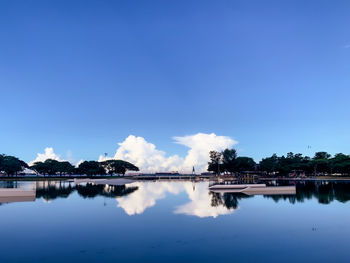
201,201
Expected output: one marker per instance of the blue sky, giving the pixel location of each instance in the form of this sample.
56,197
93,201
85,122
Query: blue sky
80,76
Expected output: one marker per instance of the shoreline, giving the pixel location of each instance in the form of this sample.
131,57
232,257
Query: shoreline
184,177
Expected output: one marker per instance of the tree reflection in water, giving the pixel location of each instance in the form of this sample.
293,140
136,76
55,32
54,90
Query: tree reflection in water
324,192
91,190
50,190
229,200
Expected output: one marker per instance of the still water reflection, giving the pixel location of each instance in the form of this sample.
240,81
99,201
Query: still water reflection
136,197
174,221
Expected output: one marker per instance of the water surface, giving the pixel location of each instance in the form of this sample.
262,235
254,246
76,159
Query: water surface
174,221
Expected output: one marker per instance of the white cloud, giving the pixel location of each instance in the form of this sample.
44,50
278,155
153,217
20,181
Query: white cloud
79,162
145,155
48,154
148,158
200,145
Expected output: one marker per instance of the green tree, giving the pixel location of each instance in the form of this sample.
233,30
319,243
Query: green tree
40,168
118,166
48,167
340,163
244,164
11,165
53,167
321,162
321,155
229,160
215,159
269,164
91,168
64,168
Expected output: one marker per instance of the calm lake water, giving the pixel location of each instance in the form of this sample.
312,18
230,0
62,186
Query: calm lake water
169,221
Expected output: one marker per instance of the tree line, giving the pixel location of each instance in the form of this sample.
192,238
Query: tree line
226,161
321,163
11,165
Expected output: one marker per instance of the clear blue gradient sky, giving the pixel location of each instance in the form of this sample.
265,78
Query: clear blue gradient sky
81,76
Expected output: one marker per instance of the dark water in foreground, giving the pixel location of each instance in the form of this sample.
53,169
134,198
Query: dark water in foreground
175,222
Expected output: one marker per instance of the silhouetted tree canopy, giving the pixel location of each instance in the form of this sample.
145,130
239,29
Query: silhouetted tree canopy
11,165
244,164
229,157
118,166
53,167
215,159
91,168
228,162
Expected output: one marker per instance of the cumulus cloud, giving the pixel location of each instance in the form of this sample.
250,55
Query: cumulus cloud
145,155
148,158
200,145
48,154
